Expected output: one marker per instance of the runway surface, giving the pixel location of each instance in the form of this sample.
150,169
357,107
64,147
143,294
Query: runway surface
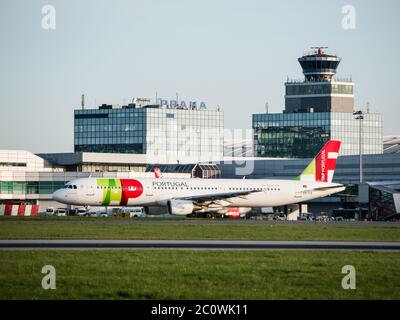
197,244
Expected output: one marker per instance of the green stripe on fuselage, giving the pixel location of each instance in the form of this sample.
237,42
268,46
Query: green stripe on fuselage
111,190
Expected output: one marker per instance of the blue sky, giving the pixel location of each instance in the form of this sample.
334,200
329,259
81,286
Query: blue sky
236,54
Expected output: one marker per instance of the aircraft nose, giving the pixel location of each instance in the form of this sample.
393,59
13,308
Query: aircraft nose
58,195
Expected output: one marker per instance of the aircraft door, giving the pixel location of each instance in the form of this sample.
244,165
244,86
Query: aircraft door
149,190
90,190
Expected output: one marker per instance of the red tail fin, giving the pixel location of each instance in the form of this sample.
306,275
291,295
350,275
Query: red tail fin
158,174
326,161
322,167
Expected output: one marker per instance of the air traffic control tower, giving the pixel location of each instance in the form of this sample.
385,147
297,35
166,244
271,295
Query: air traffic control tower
319,91
318,108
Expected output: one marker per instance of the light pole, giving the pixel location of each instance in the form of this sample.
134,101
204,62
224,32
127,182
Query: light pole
360,117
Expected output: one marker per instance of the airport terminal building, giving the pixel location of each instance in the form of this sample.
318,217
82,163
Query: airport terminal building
162,134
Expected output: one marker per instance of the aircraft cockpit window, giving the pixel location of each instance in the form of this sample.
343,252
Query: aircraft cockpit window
75,187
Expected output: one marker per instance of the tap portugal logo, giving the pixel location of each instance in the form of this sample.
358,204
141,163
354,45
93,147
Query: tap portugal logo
119,191
321,167
326,161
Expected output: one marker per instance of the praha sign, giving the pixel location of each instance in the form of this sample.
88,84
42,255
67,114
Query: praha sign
174,104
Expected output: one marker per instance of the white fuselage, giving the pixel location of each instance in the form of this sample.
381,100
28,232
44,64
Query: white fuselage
157,192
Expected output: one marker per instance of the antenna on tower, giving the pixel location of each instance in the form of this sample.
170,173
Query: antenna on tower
319,50
266,107
367,106
83,101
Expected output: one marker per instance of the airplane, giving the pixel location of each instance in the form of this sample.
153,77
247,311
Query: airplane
191,195
229,212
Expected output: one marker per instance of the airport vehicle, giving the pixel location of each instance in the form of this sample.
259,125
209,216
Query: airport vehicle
135,212
322,217
306,216
50,211
187,196
61,212
280,216
82,212
267,210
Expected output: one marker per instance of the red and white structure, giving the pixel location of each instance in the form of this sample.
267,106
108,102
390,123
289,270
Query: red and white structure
19,210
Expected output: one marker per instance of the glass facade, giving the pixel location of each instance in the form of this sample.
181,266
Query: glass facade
30,187
101,167
318,64
164,135
302,135
12,164
318,88
110,130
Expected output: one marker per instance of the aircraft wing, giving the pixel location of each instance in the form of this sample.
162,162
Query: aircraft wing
323,188
219,196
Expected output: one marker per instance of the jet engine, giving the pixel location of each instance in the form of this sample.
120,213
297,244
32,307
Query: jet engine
180,207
